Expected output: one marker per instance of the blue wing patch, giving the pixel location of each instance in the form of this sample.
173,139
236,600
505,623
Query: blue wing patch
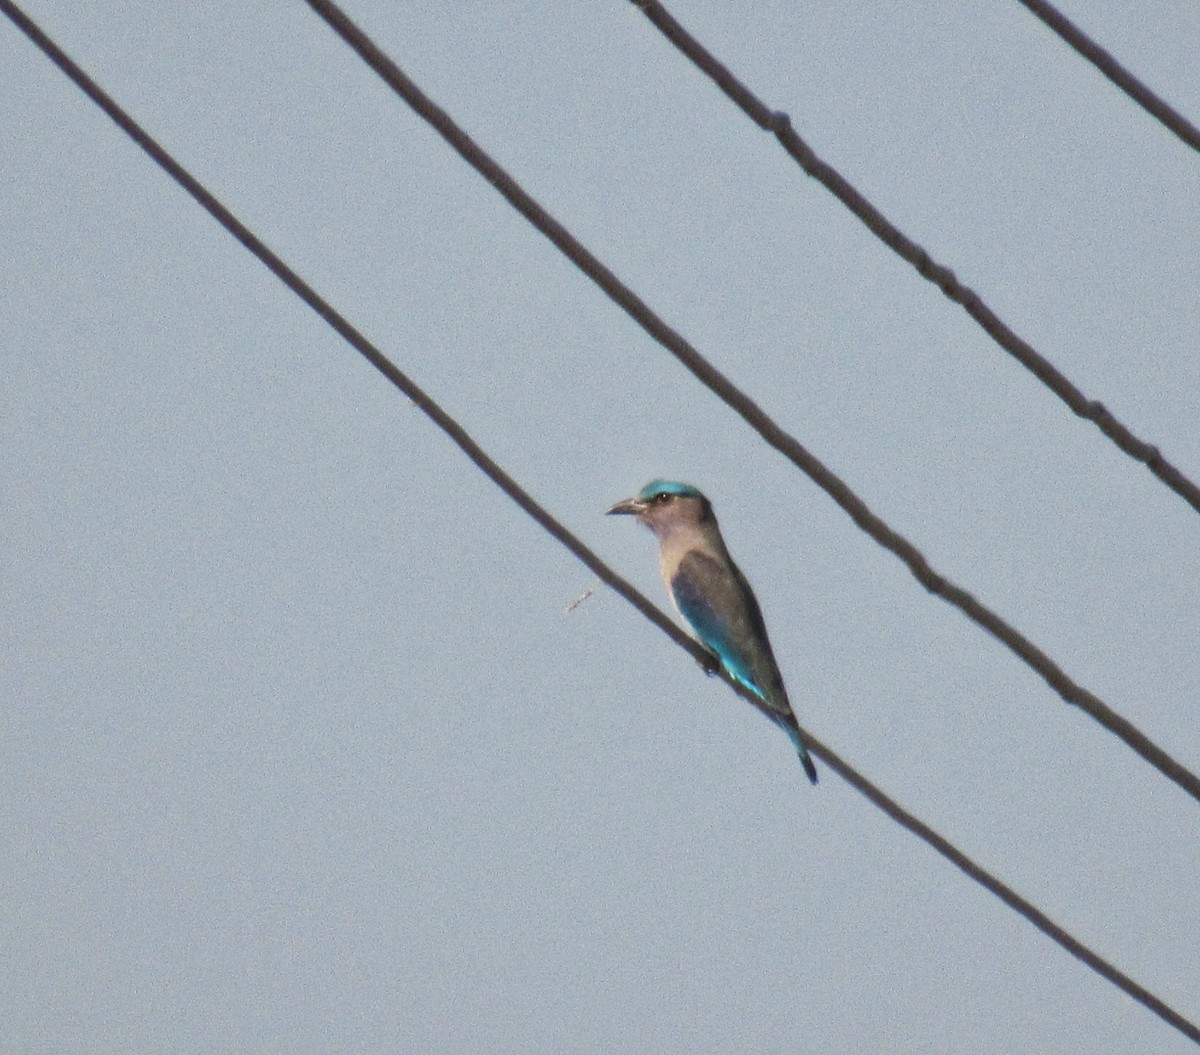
709,599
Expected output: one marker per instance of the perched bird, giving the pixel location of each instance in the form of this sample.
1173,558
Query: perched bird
713,596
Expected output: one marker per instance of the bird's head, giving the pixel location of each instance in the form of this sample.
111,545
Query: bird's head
665,506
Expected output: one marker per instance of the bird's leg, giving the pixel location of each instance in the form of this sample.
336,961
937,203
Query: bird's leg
710,664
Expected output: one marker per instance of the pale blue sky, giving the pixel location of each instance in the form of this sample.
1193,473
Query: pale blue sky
301,750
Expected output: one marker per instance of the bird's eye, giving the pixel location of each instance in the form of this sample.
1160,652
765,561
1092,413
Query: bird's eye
663,497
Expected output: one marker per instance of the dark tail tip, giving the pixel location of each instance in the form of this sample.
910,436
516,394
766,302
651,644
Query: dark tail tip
809,768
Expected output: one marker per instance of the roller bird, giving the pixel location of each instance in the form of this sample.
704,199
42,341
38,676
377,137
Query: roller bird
713,597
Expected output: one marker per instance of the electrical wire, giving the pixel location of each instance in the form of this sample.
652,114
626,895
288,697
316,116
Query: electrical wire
1066,687
1153,104
780,125
561,533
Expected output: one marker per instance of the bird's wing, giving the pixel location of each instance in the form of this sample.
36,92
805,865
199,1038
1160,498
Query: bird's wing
716,600
714,597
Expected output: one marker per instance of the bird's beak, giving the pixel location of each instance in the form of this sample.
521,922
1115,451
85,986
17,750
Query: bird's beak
627,506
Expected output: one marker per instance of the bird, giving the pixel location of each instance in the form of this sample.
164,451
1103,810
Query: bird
713,597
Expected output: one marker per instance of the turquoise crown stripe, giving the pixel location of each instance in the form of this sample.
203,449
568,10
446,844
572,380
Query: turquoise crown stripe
670,487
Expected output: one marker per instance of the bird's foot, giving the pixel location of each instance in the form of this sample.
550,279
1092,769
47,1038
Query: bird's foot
710,664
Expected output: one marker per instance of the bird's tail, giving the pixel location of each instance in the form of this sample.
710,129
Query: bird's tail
806,761
793,731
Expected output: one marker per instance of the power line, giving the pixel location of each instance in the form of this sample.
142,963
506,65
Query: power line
1153,104
559,531
724,389
941,276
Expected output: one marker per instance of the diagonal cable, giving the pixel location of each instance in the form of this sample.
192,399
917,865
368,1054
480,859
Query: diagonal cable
559,531
941,276
1153,104
772,433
